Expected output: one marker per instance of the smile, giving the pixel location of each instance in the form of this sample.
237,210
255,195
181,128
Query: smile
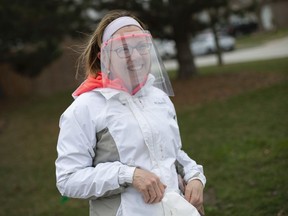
135,67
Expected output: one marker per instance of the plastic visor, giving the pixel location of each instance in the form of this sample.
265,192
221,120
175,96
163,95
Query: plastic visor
128,60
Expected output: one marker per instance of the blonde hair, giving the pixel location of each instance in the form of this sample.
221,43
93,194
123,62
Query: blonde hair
90,56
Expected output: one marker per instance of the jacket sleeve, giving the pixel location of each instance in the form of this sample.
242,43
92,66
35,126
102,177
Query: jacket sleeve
75,175
188,168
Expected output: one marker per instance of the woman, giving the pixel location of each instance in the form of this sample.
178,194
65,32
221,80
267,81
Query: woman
119,144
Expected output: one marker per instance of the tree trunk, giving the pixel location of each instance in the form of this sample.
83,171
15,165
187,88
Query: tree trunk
213,19
185,58
218,48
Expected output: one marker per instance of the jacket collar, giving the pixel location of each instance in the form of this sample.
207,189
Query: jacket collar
109,93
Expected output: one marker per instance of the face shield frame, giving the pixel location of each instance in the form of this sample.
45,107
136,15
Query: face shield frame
129,59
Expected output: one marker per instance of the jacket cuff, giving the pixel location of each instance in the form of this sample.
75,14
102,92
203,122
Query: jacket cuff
199,177
126,174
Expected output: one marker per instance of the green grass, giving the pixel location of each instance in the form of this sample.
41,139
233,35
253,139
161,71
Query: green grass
28,152
242,143
271,65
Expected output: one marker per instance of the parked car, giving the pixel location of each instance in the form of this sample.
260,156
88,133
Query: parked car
241,25
238,29
204,43
166,48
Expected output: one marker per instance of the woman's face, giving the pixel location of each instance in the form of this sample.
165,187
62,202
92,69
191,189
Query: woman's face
130,57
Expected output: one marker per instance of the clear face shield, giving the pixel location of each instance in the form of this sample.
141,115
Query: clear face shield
130,60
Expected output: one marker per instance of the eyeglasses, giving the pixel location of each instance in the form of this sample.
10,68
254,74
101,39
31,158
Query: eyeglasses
126,50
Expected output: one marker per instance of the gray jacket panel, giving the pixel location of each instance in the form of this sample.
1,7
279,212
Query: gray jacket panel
106,149
107,206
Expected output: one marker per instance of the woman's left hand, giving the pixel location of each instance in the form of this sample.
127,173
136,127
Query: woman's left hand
194,193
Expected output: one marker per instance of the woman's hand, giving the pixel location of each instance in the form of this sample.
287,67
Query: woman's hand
149,185
194,193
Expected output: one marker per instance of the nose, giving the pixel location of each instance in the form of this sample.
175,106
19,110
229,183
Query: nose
135,54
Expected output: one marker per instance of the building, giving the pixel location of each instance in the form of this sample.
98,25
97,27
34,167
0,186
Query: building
271,14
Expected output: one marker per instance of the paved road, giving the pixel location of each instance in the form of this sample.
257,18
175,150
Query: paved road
273,49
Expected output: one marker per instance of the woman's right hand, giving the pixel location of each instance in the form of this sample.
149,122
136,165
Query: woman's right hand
149,185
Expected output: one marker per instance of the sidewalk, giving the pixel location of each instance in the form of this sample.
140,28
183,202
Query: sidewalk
273,49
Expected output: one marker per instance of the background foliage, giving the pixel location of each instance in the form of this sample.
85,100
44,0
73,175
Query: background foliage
35,29
31,31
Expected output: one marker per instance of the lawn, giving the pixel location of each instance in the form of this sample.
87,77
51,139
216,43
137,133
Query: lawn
243,145
239,135
279,65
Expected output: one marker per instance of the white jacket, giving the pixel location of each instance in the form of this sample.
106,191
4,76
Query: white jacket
105,134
